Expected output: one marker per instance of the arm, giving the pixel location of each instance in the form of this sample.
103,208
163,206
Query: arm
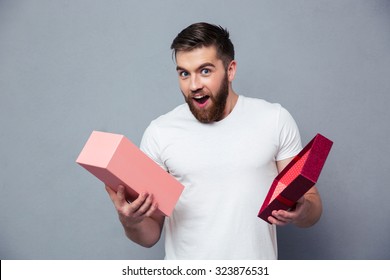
307,211
140,220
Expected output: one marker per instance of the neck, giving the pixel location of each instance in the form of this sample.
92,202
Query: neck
230,103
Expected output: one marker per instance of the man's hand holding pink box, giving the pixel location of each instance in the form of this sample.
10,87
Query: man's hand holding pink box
115,160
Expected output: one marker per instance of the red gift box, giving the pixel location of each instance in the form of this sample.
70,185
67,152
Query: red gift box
297,177
115,160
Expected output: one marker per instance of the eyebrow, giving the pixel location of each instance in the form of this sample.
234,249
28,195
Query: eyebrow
207,64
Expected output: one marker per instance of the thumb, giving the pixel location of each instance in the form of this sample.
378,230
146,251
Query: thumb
111,193
121,193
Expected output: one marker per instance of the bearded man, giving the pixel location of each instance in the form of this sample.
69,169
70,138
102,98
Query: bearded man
226,149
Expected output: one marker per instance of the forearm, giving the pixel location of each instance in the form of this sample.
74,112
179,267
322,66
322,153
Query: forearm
313,211
146,233
140,219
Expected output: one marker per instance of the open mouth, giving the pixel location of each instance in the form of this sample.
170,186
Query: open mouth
201,99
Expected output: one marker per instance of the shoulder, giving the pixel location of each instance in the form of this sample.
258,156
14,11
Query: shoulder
257,102
158,132
180,112
260,106
168,124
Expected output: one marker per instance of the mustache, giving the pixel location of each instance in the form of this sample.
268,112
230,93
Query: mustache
197,91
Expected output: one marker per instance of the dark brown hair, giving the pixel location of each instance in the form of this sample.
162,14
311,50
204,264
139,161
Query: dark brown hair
203,34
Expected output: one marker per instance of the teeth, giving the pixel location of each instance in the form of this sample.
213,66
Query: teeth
199,97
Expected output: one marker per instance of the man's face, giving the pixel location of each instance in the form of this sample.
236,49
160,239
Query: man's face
204,83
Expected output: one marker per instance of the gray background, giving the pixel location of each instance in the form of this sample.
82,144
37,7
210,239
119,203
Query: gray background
70,67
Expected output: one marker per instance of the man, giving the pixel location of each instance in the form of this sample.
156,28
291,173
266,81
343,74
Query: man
226,149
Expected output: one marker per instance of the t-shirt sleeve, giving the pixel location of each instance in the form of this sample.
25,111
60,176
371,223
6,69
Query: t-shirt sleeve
150,145
289,138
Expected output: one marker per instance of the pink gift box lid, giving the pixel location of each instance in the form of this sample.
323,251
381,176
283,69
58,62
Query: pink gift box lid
115,160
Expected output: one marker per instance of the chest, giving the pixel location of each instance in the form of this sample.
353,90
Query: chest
211,150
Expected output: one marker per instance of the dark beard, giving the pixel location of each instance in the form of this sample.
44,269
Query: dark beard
218,104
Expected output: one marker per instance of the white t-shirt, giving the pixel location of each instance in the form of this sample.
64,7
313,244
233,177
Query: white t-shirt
227,168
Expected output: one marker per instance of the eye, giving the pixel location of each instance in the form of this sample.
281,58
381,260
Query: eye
183,74
205,71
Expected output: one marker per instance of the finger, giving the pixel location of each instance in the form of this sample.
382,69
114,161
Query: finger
111,193
282,216
121,194
275,221
144,208
136,204
118,197
151,210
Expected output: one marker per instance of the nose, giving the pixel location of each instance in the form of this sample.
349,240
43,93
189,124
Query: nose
195,83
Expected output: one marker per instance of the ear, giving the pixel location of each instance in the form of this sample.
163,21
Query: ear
231,70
